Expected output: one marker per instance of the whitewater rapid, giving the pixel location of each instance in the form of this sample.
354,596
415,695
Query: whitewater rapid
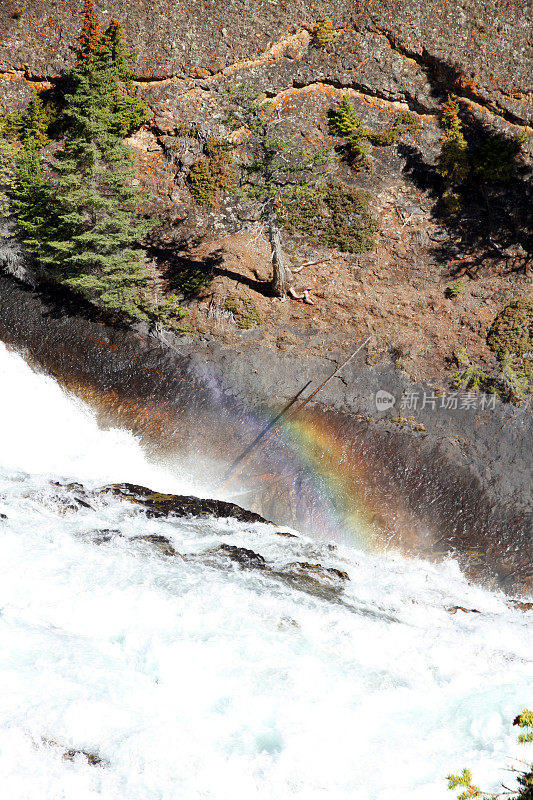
193,680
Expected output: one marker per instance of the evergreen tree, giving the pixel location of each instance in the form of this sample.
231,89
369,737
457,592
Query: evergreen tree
89,241
31,197
344,121
275,168
34,124
453,162
130,111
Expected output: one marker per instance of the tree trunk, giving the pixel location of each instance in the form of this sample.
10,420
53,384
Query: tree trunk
281,276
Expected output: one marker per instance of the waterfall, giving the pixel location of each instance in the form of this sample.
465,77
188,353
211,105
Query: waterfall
131,671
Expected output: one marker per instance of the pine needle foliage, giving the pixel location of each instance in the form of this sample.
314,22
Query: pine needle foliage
331,215
7,180
344,121
130,111
453,162
491,160
524,789
274,163
31,196
323,33
88,238
274,167
34,124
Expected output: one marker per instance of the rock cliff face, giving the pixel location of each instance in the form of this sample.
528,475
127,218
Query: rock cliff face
394,49
389,56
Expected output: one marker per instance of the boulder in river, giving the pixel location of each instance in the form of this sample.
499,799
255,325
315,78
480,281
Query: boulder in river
164,505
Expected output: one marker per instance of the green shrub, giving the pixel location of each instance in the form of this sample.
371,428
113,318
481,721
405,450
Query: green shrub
212,173
323,33
495,159
384,138
201,182
456,288
34,124
492,160
452,201
130,114
333,216
358,150
167,310
453,162
511,335
391,134
512,382
10,125
469,377
407,121
344,121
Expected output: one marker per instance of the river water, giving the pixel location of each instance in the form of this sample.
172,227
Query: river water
198,679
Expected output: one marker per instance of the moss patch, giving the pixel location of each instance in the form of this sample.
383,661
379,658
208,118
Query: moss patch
244,311
511,335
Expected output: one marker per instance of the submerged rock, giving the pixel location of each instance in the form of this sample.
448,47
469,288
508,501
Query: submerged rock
314,579
94,760
71,753
317,571
243,556
104,535
161,543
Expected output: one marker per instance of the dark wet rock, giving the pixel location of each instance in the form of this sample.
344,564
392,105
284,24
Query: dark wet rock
455,609
164,505
286,623
160,543
241,555
71,487
286,534
3,516
314,579
74,504
473,499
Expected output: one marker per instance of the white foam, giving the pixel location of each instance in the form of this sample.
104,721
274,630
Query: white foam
197,682
47,431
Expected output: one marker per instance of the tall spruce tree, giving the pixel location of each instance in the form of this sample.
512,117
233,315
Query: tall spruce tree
90,239
31,196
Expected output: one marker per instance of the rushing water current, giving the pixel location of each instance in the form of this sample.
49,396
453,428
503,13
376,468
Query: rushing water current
197,679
